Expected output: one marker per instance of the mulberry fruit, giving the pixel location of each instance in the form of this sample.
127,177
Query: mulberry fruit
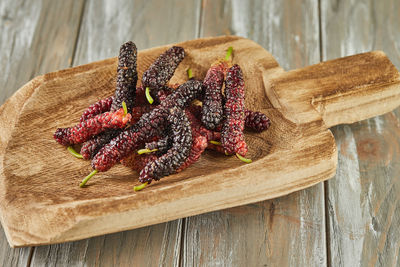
183,95
126,77
163,68
256,121
177,154
212,110
97,108
91,127
232,137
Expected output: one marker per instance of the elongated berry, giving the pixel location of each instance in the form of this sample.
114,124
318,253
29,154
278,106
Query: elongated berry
169,162
232,137
126,77
149,125
97,108
212,110
91,127
160,72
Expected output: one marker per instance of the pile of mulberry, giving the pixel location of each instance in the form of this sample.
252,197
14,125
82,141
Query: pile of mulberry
170,135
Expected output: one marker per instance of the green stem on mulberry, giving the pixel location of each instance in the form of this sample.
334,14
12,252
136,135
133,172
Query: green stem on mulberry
74,153
140,187
125,108
228,53
189,73
243,158
215,143
87,178
148,96
145,150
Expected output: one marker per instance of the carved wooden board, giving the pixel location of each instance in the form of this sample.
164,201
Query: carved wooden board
41,202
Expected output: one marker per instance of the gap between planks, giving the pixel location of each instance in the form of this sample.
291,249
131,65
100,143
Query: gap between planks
325,186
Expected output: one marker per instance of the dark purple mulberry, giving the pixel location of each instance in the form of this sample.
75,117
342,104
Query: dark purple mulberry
91,127
97,108
150,124
163,68
256,121
126,77
232,137
183,95
177,154
212,110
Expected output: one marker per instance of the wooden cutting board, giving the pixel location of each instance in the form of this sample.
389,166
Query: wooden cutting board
41,202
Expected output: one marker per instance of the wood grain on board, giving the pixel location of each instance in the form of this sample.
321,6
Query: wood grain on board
105,26
363,199
60,211
36,37
284,231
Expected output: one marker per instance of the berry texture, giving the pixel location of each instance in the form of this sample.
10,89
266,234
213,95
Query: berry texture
232,137
149,125
163,68
90,148
162,145
138,162
91,127
212,110
169,162
200,137
199,144
183,95
97,108
256,121
126,77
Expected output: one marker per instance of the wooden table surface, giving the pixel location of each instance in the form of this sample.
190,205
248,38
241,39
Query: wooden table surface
351,220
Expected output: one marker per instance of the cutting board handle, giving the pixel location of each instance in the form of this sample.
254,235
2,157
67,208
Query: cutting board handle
339,91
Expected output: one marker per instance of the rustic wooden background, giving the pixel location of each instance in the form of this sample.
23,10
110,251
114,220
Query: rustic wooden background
351,220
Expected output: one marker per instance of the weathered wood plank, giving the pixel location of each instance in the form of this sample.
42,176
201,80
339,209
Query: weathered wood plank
363,198
284,231
26,51
105,26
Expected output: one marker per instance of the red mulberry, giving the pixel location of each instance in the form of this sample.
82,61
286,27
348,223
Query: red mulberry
256,121
91,127
126,77
232,137
177,154
97,108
